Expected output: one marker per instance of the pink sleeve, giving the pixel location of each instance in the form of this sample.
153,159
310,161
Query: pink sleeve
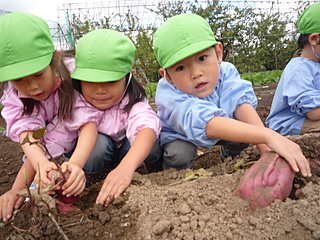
142,116
83,113
59,139
12,111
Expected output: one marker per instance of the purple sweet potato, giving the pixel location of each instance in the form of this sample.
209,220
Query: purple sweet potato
270,178
64,203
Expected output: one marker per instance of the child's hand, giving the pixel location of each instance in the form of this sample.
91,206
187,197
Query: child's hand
116,182
291,152
270,178
76,182
43,171
8,202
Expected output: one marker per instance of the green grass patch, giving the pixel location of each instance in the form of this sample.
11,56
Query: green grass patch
259,78
150,89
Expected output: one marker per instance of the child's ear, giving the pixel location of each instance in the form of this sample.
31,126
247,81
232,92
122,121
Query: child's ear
314,39
163,74
219,50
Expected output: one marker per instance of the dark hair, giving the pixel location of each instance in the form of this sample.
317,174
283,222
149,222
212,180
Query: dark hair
65,90
303,40
135,91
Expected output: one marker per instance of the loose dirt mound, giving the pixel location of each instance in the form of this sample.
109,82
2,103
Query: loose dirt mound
163,206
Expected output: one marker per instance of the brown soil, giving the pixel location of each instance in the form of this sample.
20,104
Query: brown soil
200,209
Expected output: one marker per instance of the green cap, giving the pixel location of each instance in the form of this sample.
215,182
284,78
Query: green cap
26,45
309,20
180,37
103,55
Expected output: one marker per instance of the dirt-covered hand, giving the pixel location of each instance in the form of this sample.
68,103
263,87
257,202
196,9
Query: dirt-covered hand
56,177
42,174
8,202
114,185
75,182
270,178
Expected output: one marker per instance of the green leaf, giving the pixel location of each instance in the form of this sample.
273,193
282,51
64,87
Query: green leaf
39,133
25,140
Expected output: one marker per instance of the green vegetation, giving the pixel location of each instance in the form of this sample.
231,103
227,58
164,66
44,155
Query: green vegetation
258,78
150,89
254,41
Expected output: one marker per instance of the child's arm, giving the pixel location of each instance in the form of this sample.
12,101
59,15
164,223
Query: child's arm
37,158
10,200
120,178
75,184
246,113
237,131
314,114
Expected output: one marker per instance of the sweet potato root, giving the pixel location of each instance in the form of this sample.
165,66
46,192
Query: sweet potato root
270,178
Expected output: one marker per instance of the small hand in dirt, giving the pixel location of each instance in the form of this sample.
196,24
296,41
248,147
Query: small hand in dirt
115,183
65,203
58,180
42,174
8,202
270,178
75,181
290,151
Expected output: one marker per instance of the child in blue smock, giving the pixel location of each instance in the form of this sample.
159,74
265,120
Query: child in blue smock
296,104
203,102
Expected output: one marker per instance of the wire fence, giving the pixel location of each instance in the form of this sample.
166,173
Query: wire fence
117,11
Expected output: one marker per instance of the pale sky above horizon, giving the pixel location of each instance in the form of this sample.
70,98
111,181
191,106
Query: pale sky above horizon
46,9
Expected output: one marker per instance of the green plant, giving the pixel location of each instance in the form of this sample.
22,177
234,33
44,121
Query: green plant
150,89
259,78
57,177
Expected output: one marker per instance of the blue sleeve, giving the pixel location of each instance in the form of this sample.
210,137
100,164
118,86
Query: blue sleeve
302,87
298,92
185,114
233,91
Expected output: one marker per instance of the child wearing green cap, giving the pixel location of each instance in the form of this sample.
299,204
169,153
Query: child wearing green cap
295,107
203,102
36,92
113,99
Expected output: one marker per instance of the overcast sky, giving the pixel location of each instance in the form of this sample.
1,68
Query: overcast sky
46,9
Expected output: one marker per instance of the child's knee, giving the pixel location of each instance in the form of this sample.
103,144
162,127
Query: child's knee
179,154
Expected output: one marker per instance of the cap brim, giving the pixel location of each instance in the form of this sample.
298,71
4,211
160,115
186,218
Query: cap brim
188,51
95,75
24,68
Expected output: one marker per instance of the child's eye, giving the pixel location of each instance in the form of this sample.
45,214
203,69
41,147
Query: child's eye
17,80
180,68
38,75
202,58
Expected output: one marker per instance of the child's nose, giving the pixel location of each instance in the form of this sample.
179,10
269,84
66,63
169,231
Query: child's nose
102,88
32,85
196,73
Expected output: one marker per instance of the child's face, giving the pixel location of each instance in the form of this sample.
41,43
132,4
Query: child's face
38,86
198,74
105,94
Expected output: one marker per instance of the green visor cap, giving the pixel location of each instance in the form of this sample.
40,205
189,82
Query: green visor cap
26,45
309,20
103,55
180,37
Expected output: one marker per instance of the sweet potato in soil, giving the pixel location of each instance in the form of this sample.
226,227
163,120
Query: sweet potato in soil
204,208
